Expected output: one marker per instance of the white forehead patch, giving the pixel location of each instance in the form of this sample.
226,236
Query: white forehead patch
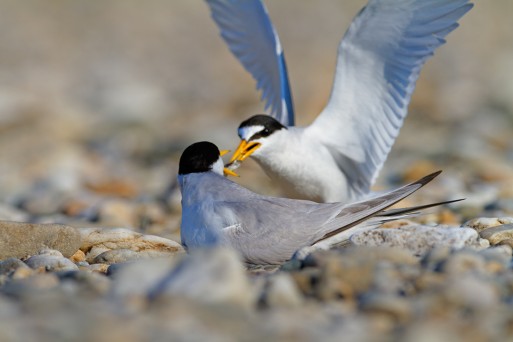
248,131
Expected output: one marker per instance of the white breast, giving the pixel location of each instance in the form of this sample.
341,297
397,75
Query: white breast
303,166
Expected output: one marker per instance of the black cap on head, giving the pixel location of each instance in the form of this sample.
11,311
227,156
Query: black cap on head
199,157
269,123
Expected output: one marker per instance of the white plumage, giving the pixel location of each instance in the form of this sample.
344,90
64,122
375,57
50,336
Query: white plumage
379,61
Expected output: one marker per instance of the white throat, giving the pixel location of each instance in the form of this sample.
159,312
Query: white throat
218,167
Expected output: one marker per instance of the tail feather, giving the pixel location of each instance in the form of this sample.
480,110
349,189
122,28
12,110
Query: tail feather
382,217
356,213
414,210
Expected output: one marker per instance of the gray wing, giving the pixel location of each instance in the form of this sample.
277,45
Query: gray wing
251,37
270,229
379,61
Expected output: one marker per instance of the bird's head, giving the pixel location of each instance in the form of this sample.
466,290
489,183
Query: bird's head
203,156
255,133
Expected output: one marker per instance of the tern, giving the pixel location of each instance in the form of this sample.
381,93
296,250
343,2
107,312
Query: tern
339,155
264,230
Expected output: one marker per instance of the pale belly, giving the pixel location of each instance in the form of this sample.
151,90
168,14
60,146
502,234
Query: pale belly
315,180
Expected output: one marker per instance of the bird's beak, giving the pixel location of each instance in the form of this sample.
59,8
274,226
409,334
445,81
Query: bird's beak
244,150
227,171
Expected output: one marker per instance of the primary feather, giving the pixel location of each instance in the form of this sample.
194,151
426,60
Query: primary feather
250,35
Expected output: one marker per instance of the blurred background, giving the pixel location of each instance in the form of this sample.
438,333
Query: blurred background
98,99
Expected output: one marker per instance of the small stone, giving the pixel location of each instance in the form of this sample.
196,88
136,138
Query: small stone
498,233
43,202
99,268
23,272
349,272
50,252
19,239
282,291
28,285
116,212
435,257
506,242
137,278
211,276
96,241
92,281
418,239
481,223
464,262
398,308
123,255
116,256
499,253
471,292
50,263
397,223
8,266
79,256
116,187
9,213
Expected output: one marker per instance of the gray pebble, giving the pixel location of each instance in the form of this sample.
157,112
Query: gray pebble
282,291
212,276
10,265
418,239
50,263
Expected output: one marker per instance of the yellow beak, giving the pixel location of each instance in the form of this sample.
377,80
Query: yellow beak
227,171
244,150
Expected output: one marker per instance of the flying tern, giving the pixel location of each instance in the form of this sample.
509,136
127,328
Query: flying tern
338,156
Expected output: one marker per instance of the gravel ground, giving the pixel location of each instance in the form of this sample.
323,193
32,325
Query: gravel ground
97,101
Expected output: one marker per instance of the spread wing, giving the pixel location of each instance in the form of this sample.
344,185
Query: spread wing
379,60
247,29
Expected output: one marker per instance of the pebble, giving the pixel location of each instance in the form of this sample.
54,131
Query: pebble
9,213
418,239
79,256
464,262
19,240
137,278
348,272
96,241
482,223
94,282
211,276
471,293
123,255
282,291
99,268
117,212
497,234
50,262
8,266
400,309
26,286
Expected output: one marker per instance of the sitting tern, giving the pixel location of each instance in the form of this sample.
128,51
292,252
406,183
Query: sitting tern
337,157
267,231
